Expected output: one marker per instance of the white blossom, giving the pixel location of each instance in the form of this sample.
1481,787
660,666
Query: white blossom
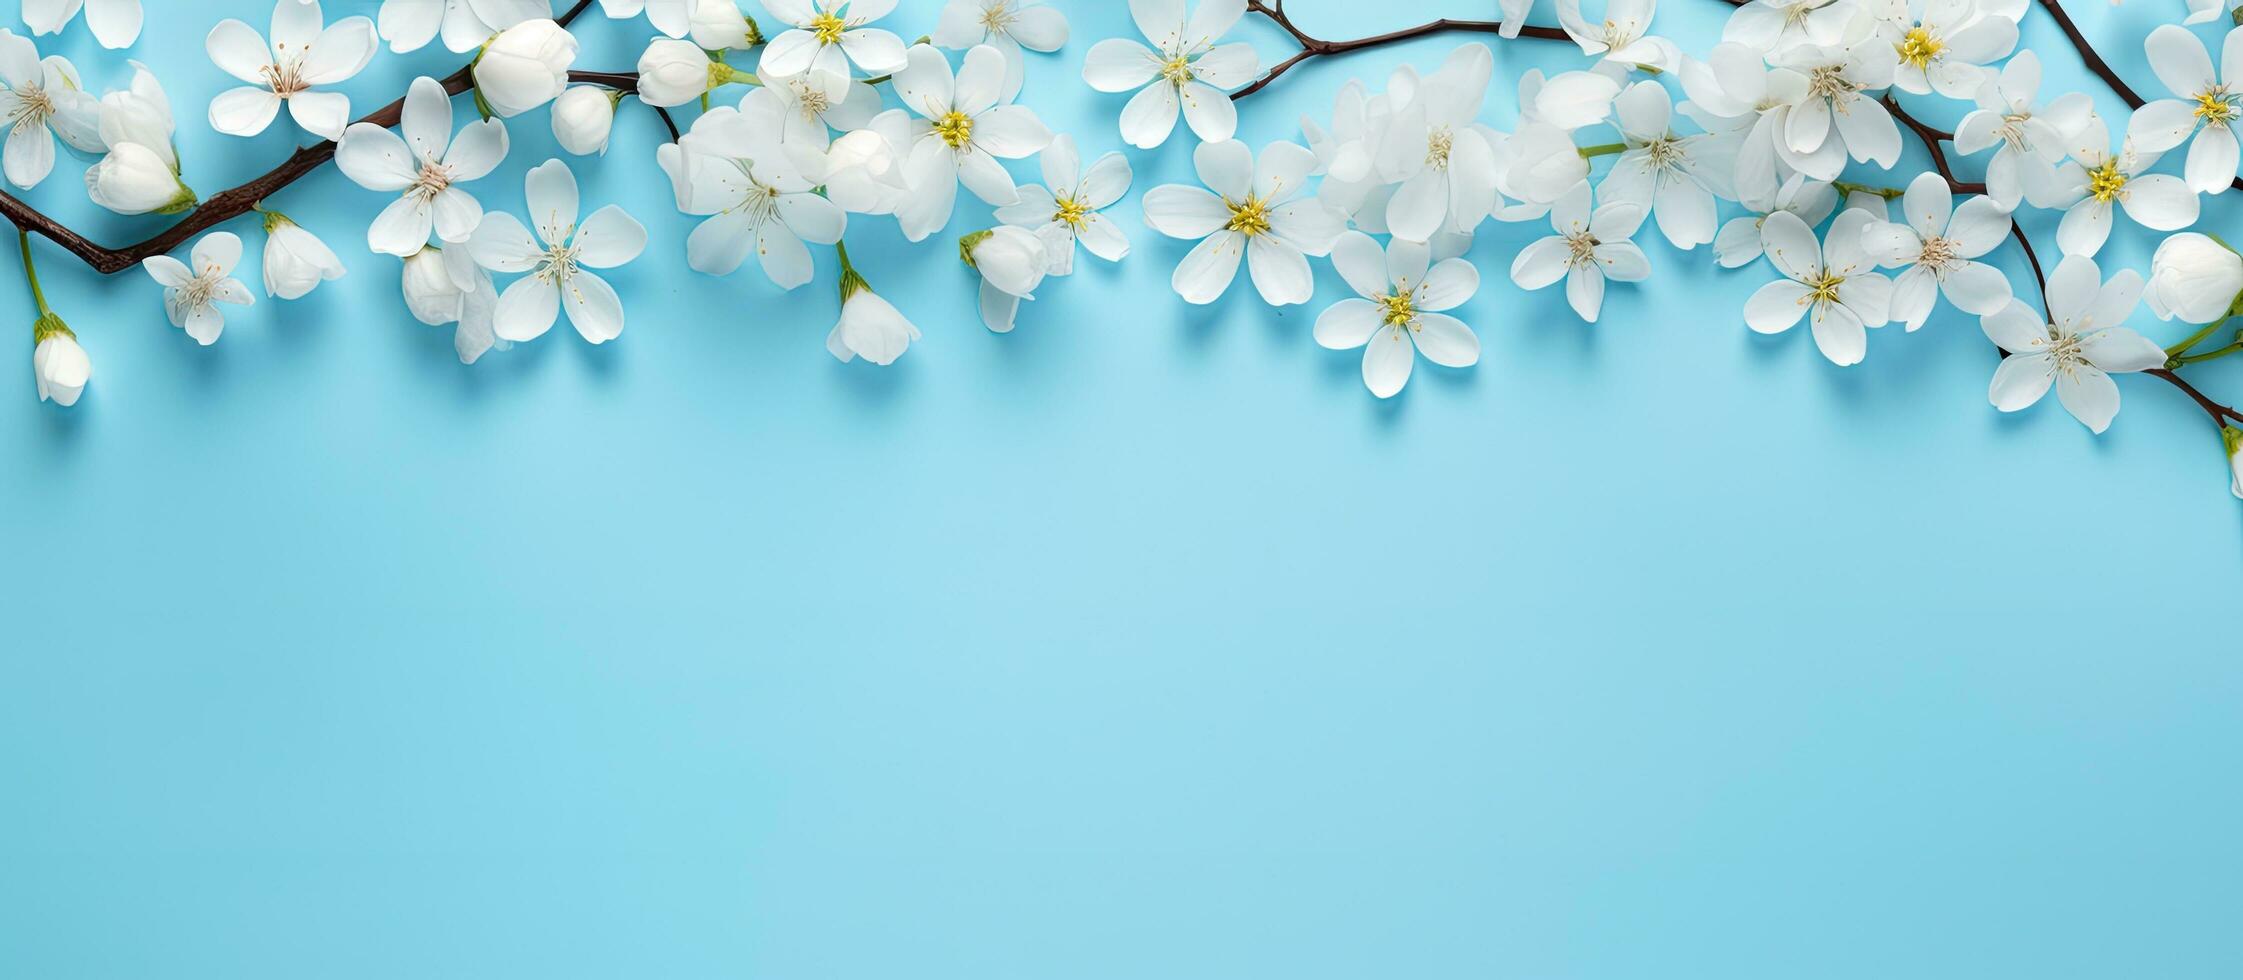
2077,348
963,127
2207,108
1012,262
1444,166
304,53
827,37
1589,247
1939,244
39,100
2099,178
1946,44
1007,25
1397,314
2029,139
869,327
425,168
296,261
192,292
1832,283
1254,210
1065,208
1738,242
445,286
1622,38
757,199
1676,178
558,261
1183,70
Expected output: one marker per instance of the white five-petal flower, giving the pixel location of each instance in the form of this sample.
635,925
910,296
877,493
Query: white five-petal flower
828,36
731,168
1007,25
1399,309
1588,248
409,25
1066,211
1252,210
2029,140
2207,109
425,167
1673,177
964,127
1832,282
2099,179
558,261
192,292
2077,349
1939,244
39,100
1184,69
303,54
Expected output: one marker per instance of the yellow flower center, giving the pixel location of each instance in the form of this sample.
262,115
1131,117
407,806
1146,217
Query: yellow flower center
1824,289
1249,218
1398,309
1177,70
995,17
2215,105
1075,213
956,128
1918,47
828,27
2105,183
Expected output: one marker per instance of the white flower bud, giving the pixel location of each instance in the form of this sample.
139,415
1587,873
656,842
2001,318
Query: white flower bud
525,66
296,261
430,290
718,25
134,179
1012,259
583,119
2194,278
673,73
2234,439
59,364
870,327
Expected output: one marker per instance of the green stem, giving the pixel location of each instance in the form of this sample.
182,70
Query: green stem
2209,355
1602,149
851,282
2194,339
31,272
1845,187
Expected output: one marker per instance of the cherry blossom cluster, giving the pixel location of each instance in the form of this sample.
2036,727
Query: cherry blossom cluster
1774,146
1764,125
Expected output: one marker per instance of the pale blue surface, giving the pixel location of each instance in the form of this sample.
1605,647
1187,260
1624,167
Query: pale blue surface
1139,643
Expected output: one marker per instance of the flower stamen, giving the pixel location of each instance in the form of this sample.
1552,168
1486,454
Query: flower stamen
956,129
1249,218
827,27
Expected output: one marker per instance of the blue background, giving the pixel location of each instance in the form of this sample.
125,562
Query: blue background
1142,642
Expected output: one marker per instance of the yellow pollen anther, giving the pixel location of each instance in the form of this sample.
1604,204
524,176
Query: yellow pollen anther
1918,47
1177,70
956,128
1249,218
1398,309
2215,105
1075,213
828,28
2105,183
1825,289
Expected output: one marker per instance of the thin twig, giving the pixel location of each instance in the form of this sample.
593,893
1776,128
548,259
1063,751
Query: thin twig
2087,55
225,205
1316,47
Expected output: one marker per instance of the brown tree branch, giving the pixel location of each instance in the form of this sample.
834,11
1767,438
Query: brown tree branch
227,204
2088,56
1316,47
